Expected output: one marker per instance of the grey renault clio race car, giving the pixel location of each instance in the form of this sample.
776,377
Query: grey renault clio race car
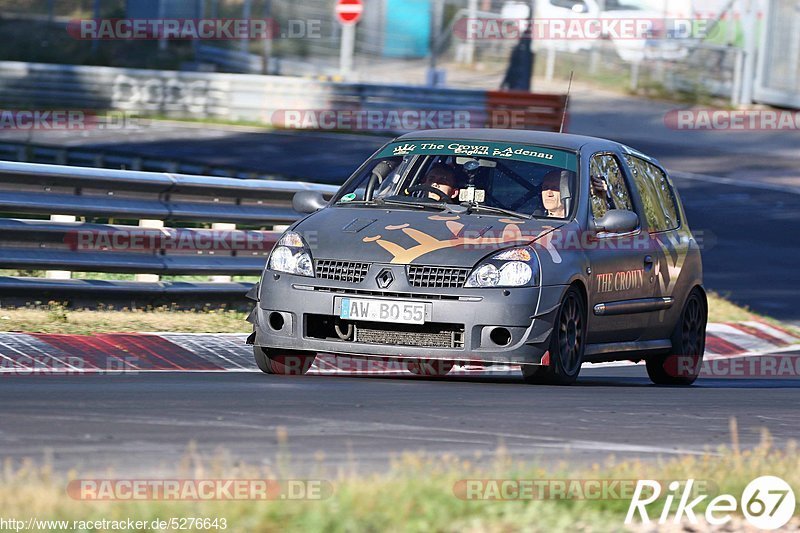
489,247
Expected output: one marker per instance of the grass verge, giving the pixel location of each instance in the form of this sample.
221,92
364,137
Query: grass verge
55,318
721,309
419,494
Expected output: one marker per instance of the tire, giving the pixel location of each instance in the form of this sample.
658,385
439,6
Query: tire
567,344
430,367
283,362
682,365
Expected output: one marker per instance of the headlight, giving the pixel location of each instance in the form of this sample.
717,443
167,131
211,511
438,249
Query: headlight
291,255
510,268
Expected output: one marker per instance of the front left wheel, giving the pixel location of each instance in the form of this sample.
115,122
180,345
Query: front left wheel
683,364
430,367
283,362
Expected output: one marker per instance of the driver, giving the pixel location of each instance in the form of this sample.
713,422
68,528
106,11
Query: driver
442,177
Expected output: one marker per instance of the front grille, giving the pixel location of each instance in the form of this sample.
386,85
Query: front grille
427,336
436,276
347,271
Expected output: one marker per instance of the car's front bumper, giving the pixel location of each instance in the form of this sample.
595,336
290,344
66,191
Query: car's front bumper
298,304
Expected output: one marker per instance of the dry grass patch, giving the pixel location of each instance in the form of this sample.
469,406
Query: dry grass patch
415,493
54,318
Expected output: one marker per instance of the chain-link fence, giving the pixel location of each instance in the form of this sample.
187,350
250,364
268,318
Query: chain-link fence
59,9
779,72
394,41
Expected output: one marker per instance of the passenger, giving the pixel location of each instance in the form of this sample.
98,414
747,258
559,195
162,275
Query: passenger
551,195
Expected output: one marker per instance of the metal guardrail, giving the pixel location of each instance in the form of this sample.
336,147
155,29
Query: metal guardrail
37,189
90,292
24,152
86,247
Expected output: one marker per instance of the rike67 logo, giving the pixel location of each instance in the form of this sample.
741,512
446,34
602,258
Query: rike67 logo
767,502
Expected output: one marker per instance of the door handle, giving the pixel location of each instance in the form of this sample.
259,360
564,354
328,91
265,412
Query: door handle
648,262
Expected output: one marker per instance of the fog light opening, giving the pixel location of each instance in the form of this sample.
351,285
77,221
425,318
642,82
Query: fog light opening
276,321
500,336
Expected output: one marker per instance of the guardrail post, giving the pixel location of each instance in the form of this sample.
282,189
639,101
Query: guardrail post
550,66
634,75
145,223
222,226
60,274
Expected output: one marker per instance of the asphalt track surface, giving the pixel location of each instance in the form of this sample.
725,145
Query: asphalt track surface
141,424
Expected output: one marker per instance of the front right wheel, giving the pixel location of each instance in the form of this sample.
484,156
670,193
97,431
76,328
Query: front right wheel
567,343
682,365
283,362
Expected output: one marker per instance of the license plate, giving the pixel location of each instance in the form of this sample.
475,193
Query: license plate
382,311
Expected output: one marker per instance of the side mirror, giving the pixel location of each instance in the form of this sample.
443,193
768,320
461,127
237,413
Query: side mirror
617,221
308,201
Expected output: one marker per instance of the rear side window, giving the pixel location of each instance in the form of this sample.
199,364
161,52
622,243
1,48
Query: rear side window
608,187
660,208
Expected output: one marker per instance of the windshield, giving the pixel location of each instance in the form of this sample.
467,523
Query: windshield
496,178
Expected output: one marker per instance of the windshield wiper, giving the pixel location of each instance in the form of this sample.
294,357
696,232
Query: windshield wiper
352,202
421,205
499,210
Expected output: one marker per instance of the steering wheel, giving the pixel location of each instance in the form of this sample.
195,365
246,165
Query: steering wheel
430,189
375,179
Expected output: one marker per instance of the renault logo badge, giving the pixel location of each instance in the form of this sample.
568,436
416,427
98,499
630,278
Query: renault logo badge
385,278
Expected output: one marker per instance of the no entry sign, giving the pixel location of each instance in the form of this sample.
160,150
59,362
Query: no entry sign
349,11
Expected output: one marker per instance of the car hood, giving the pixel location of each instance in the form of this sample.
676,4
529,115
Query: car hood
405,236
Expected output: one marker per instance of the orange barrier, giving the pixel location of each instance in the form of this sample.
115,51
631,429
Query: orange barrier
524,110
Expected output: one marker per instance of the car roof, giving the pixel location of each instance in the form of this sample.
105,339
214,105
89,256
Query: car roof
566,141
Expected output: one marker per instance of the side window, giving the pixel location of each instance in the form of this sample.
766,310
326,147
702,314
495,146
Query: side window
608,187
654,188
